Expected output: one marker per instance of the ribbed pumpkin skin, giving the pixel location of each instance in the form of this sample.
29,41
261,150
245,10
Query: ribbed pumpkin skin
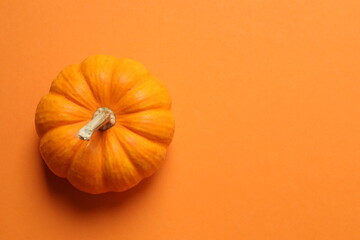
120,157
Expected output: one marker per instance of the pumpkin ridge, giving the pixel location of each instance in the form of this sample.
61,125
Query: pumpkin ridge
73,157
72,163
128,72
148,77
66,124
78,145
125,109
122,112
142,135
91,89
76,158
92,84
131,87
72,100
140,171
127,154
47,117
67,83
103,167
41,133
105,172
59,147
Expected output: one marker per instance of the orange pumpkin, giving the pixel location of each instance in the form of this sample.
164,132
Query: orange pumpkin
105,124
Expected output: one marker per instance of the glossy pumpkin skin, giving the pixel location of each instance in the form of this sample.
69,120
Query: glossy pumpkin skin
115,159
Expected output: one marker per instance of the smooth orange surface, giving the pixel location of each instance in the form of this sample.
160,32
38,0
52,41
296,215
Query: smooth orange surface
266,99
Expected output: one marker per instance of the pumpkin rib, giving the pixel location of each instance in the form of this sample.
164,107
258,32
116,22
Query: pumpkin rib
64,86
143,172
122,93
127,182
141,110
103,162
73,101
76,150
82,185
64,125
91,90
73,161
147,93
119,99
63,96
55,110
104,170
144,136
41,134
127,154
123,112
95,84
58,148
132,66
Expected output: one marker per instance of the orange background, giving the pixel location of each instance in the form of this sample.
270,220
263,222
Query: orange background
266,98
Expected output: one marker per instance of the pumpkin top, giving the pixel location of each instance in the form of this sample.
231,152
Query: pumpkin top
129,107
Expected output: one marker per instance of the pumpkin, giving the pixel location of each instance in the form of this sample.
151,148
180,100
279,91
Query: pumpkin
105,124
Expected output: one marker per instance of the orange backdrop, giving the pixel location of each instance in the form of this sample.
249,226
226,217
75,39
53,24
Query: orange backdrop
266,98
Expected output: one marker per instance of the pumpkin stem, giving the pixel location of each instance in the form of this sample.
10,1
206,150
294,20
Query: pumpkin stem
103,118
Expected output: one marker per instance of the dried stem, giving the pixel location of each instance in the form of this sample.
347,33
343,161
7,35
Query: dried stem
103,119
